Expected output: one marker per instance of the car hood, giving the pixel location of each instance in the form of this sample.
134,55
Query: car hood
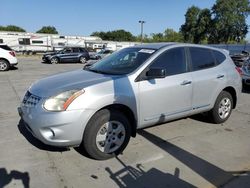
58,83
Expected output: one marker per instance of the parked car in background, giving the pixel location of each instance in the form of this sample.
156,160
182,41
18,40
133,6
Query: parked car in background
240,59
101,54
7,58
100,107
68,54
246,73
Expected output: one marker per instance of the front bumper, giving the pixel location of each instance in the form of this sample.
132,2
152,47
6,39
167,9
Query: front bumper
46,58
61,129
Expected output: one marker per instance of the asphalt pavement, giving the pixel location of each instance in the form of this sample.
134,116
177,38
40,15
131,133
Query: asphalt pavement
190,152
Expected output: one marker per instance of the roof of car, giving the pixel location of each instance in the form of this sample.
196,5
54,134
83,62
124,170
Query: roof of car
155,46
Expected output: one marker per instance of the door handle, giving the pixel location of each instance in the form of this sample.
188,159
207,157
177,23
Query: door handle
220,76
186,82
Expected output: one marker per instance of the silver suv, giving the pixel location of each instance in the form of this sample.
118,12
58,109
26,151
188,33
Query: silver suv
101,107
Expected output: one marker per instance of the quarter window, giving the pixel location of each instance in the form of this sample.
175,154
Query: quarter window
201,58
220,57
172,60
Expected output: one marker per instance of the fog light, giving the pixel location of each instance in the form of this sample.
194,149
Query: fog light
48,133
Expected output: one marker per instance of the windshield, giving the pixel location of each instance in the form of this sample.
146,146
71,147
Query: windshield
124,61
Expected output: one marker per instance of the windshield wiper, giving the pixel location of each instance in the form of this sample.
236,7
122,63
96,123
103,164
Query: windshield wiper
97,71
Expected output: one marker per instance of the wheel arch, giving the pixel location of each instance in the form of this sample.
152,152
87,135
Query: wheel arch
128,113
233,93
1,58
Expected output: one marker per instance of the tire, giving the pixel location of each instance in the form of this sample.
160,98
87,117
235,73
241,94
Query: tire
106,135
82,60
222,108
54,60
4,65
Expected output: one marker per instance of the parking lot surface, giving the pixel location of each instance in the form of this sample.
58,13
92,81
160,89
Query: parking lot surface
186,153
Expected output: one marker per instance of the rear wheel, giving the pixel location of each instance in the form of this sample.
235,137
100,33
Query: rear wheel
4,65
222,108
83,60
54,60
107,134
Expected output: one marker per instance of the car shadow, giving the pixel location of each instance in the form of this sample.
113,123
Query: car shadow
246,89
46,62
213,174
12,68
203,117
6,178
130,176
35,142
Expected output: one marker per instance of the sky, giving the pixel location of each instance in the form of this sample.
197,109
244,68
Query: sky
82,17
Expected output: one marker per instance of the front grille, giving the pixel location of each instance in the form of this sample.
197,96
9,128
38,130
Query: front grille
30,100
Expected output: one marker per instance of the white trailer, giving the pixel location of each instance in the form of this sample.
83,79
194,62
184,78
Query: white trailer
34,42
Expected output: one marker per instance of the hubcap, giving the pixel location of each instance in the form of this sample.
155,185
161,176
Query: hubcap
110,136
224,108
82,60
3,66
54,60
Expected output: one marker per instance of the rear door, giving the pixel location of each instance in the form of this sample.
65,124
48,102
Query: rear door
170,97
208,77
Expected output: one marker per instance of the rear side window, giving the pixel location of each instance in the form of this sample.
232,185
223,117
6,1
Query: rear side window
202,58
5,47
220,57
82,50
76,50
172,60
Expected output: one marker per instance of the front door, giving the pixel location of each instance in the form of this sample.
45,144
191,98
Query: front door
170,97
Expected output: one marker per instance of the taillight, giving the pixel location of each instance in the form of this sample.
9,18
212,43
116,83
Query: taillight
12,53
239,70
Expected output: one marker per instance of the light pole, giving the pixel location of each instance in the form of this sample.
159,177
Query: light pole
141,22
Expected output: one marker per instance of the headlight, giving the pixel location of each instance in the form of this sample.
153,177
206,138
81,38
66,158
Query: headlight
62,101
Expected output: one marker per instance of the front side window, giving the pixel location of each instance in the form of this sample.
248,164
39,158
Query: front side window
173,61
123,61
202,58
67,50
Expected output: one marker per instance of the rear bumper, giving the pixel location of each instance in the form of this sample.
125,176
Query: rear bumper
14,64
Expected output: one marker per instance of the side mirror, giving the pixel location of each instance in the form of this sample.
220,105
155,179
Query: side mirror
156,73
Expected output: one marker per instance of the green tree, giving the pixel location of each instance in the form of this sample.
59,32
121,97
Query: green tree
197,25
229,23
188,29
48,30
157,37
116,35
171,35
12,28
202,28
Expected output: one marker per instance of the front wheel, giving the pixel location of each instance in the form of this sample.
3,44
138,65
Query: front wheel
54,60
222,108
107,134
